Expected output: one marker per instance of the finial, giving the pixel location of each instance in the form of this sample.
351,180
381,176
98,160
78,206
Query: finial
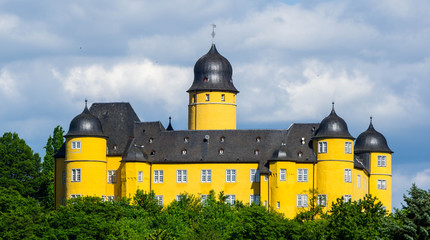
86,101
332,105
213,32
170,120
371,119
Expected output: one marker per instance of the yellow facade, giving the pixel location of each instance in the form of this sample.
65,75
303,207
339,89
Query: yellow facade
381,173
211,110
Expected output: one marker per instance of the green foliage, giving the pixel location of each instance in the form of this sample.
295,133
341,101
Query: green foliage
19,166
147,201
53,144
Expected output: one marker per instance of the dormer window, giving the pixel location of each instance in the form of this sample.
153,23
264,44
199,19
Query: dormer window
258,139
299,154
115,147
256,152
150,140
186,139
184,151
222,139
221,151
303,141
153,153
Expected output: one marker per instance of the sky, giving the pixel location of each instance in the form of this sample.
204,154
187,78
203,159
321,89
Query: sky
291,60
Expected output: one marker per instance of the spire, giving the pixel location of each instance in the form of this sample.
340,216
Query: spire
332,107
170,128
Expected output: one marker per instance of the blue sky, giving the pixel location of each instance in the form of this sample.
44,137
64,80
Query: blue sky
291,59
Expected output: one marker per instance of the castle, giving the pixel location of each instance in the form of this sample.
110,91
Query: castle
111,154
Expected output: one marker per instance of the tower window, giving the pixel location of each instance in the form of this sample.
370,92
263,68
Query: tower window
76,175
283,175
382,161
223,97
348,147
382,184
207,97
322,147
140,176
76,146
348,175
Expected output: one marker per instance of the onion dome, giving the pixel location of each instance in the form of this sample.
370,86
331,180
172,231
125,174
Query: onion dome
333,126
371,141
85,124
170,128
213,72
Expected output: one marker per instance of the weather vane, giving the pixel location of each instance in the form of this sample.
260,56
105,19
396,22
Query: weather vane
213,32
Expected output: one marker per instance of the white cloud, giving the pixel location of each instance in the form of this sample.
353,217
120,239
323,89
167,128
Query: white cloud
8,87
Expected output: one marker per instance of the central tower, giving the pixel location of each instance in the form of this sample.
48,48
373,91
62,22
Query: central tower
212,96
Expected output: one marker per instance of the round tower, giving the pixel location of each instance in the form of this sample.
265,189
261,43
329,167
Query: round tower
372,148
85,157
333,146
212,96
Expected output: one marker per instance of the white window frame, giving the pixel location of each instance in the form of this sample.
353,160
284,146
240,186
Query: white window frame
322,200
179,197
302,175
254,175
382,161
75,196
206,175
347,197
302,200
358,181
223,97
230,199
158,176
253,198
111,198
348,175
111,176
76,145
230,175
322,147
140,176
181,176
348,147
283,174
75,175
159,198
382,184
278,205
207,97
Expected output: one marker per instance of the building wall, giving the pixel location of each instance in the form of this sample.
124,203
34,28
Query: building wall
212,114
382,174
59,184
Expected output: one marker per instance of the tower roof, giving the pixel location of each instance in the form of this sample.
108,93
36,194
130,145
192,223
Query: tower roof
371,141
213,72
85,124
333,126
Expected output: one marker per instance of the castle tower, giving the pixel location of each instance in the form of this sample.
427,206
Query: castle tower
372,147
85,170
333,146
212,96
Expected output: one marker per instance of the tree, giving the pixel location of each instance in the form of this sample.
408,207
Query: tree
53,144
19,166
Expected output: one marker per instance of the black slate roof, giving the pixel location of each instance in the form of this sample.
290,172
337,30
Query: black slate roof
85,124
213,72
371,141
118,120
333,126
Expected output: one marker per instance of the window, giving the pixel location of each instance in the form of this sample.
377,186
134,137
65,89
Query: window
382,184
265,203
222,139
283,175
322,200
181,176
223,97
151,140
278,205
152,153
159,198
63,177
103,198
322,147
207,97
382,161
347,198
203,198
76,145
348,175
230,199
76,174
358,181
302,200
111,176
265,178
221,151
348,147
254,199
206,176
258,139
74,196
256,152
302,175
254,175
140,176
180,197
186,139
184,151
110,198
230,175
158,176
